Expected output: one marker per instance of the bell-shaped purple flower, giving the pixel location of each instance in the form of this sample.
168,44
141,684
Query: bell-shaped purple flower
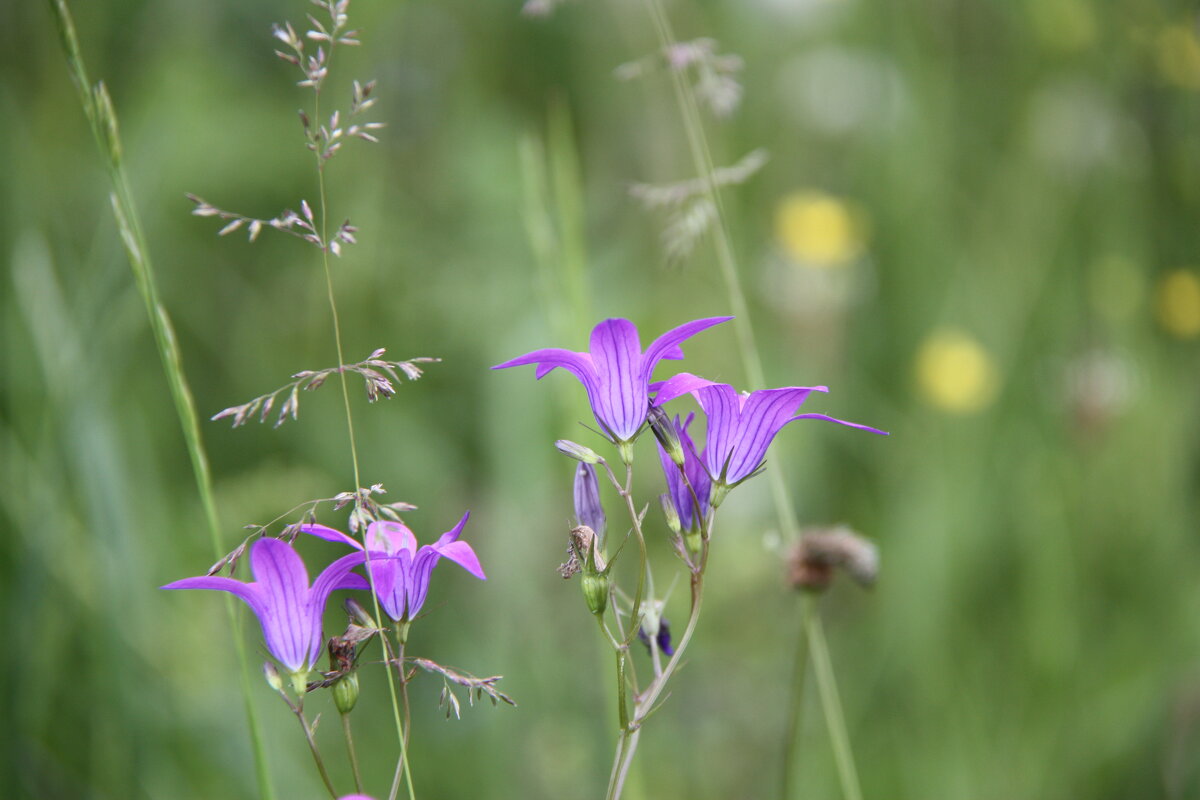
742,426
693,467
288,609
616,373
400,569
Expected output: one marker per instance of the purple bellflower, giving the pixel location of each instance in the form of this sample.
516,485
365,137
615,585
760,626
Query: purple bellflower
400,569
677,491
616,373
742,426
288,609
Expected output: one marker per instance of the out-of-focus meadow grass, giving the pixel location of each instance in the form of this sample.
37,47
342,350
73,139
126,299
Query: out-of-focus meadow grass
978,227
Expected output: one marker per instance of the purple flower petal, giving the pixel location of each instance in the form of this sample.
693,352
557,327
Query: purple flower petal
841,422
246,591
418,579
462,554
280,575
722,407
390,537
459,552
763,415
621,397
667,345
330,535
677,386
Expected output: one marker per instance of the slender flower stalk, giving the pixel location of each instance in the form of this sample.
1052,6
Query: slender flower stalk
101,115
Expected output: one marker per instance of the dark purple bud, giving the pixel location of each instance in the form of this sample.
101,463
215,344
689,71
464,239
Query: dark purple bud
667,434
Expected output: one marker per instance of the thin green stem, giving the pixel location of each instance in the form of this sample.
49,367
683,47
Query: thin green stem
796,706
635,610
316,752
402,767
831,704
101,116
323,210
350,751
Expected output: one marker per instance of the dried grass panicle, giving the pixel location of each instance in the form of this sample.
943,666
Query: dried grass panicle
715,83
813,560
379,377
690,210
669,195
366,510
476,687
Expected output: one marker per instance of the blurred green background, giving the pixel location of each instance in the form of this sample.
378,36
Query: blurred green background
978,226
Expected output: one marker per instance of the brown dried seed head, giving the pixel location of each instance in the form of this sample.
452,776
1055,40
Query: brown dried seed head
812,561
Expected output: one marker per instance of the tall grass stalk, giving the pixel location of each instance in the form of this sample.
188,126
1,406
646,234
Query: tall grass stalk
703,163
323,224
98,108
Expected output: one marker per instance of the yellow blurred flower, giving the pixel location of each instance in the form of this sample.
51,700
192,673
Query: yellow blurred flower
1179,56
955,373
1179,303
818,229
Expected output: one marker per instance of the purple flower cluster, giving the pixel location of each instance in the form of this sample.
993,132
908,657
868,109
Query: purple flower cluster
290,610
740,426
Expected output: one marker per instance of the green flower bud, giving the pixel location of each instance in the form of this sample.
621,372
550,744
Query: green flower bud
274,679
672,515
595,592
345,693
577,451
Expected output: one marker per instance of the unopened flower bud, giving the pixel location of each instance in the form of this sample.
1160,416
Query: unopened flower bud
670,512
274,679
345,693
595,592
357,612
577,451
588,509
667,434
593,568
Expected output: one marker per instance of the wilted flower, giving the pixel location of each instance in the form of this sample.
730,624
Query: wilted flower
288,609
399,569
742,426
616,373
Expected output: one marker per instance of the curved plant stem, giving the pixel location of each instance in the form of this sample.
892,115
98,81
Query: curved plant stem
831,704
101,116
